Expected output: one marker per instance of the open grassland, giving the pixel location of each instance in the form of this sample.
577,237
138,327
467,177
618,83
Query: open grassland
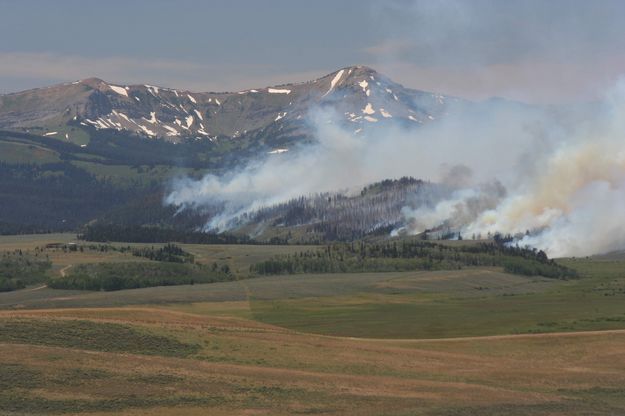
474,341
31,241
26,153
477,301
460,303
468,302
439,304
235,366
128,176
239,257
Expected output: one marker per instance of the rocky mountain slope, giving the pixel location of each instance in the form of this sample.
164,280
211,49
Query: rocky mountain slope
89,150
361,97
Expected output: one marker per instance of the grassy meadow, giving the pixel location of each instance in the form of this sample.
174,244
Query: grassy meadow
474,341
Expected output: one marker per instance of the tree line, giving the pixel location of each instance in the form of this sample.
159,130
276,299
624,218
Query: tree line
339,216
412,255
170,253
152,234
53,197
134,275
19,269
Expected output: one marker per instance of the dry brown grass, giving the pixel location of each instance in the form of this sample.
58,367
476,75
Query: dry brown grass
30,241
241,366
245,367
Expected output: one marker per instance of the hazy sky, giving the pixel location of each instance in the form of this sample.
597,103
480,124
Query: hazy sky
531,50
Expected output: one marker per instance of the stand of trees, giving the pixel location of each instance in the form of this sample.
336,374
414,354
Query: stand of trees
53,197
19,269
64,195
145,234
413,255
170,253
119,276
18,229
342,217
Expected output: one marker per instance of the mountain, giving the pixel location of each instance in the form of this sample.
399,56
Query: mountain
91,150
360,95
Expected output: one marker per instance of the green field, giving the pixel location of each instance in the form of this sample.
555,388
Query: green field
474,301
471,341
24,153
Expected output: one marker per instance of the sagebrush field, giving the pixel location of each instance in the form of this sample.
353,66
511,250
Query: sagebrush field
452,342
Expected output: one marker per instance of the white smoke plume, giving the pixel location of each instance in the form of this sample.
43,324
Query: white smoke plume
553,176
576,199
340,160
462,207
514,169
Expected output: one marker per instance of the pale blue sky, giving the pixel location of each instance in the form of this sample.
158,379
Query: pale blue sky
542,51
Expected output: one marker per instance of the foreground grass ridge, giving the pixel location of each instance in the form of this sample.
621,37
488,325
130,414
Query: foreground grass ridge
441,341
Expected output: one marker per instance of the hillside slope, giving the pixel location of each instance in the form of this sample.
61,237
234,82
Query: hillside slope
360,95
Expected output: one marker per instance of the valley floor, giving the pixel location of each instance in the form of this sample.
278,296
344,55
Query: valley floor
475,341
156,361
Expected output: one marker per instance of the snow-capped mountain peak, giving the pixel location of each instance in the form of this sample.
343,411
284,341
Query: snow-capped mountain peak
361,95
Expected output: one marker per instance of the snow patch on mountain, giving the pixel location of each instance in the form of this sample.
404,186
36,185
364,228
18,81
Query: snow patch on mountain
334,81
385,113
278,91
172,131
119,90
189,121
147,131
368,109
152,119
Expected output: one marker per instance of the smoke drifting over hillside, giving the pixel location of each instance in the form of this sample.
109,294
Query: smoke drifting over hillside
342,160
511,168
569,192
573,203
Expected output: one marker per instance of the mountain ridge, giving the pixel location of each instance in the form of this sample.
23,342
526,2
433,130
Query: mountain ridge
359,94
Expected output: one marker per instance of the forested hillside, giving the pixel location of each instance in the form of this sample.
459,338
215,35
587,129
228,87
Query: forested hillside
376,209
89,150
407,255
51,185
